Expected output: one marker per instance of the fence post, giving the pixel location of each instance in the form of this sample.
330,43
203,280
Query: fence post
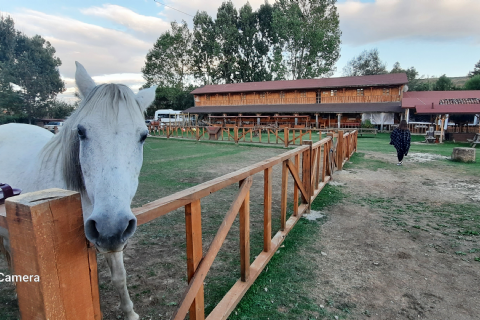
235,134
340,146
245,237
285,136
197,133
193,226
47,240
307,173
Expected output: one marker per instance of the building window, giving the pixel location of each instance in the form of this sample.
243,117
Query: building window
333,93
303,94
243,96
325,92
207,97
386,91
319,96
360,92
282,94
197,98
225,96
262,95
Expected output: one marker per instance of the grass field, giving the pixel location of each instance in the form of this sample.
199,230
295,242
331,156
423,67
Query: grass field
155,259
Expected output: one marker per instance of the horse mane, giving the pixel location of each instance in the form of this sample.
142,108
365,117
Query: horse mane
63,149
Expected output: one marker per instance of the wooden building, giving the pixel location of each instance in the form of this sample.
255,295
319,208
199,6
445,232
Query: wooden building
327,102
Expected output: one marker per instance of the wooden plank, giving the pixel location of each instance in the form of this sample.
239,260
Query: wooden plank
48,240
295,186
294,171
162,206
284,193
267,209
324,164
197,281
235,294
3,217
193,226
245,238
92,262
286,136
307,171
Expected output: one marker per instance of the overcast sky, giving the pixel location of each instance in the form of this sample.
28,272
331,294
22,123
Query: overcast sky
111,39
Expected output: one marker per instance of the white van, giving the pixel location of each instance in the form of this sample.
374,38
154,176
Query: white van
167,116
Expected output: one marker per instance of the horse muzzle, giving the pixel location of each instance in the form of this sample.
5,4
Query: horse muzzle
110,235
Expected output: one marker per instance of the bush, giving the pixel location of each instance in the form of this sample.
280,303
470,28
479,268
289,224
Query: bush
473,83
4,119
367,124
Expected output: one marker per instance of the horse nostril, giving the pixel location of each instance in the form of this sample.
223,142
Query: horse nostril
91,230
132,225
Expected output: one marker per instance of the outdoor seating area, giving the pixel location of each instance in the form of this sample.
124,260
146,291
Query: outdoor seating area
474,141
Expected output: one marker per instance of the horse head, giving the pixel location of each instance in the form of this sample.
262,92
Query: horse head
107,134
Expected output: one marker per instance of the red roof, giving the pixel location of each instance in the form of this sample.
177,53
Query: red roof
361,81
448,108
418,98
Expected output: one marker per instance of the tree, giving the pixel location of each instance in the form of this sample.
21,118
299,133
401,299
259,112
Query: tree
473,83
444,84
476,70
168,64
227,36
60,109
309,38
30,63
207,49
367,63
413,83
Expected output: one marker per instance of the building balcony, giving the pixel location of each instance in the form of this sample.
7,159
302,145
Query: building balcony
329,99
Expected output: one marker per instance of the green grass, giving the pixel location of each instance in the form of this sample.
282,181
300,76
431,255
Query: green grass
289,276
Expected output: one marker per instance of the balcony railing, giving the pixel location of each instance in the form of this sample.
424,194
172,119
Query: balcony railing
338,99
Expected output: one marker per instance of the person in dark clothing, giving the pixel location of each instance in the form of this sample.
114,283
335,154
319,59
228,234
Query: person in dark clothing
400,139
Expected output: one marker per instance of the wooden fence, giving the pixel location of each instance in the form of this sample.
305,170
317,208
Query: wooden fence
268,135
47,241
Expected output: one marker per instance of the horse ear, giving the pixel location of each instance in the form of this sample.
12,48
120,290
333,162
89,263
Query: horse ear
84,82
145,97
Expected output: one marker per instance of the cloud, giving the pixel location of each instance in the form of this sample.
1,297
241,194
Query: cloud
100,50
144,26
439,20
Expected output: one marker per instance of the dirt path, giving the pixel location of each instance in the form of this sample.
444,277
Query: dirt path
396,247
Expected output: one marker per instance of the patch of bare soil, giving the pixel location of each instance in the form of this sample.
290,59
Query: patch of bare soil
376,270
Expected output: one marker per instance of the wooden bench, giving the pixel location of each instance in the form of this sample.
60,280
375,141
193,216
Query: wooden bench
474,141
362,131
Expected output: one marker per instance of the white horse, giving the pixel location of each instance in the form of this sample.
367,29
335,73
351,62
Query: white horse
98,152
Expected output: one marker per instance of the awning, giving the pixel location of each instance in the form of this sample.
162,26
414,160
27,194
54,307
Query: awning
302,108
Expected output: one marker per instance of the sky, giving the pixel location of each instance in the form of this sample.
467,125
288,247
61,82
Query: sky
111,39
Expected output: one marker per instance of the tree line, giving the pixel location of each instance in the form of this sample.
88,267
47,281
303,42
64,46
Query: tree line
29,77
369,63
287,40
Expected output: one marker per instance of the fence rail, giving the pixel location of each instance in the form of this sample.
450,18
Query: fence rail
310,166
250,134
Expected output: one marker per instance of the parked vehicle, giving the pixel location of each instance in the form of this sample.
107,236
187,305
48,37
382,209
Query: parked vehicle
52,124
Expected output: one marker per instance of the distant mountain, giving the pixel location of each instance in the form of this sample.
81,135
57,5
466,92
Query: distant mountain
457,81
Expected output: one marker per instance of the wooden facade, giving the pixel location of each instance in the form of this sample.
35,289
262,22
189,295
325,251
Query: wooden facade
311,96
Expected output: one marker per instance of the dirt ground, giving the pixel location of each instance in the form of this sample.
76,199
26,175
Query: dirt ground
378,262
405,270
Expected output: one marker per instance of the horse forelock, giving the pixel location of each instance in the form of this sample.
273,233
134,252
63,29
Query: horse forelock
105,102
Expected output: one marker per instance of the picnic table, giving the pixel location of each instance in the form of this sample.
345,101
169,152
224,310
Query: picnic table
475,140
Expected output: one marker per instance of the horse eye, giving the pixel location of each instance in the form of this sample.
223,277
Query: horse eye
143,137
81,132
